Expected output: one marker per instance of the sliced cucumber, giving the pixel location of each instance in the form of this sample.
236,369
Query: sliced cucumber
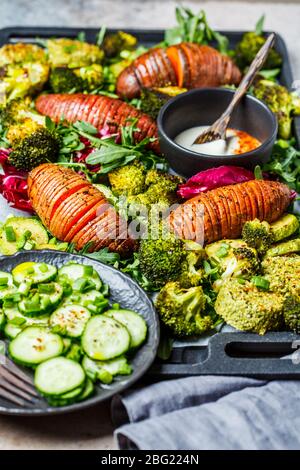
58,376
104,338
134,323
87,391
75,272
17,318
11,331
7,286
95,369
94,301
67,345
34,345
25,229
2,320
34,272
70,320
38,303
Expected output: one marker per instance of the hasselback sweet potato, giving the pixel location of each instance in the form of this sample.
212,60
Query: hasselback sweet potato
185,65
69,206
98,111
226,209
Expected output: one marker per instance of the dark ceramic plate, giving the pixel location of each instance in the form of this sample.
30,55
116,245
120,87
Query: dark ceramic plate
123,290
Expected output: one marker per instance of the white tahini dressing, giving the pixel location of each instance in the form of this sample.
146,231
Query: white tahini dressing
230,146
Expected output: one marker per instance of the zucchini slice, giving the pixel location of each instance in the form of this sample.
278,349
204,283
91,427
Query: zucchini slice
70,320
74,273
34,345
104,338
134,323
24,229
34,272
59,376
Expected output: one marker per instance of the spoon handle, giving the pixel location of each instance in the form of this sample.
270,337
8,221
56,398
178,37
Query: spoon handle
251,73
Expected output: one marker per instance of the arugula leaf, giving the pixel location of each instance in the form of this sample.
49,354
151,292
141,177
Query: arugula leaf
105,256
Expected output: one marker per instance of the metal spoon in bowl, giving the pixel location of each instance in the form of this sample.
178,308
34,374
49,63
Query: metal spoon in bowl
218,129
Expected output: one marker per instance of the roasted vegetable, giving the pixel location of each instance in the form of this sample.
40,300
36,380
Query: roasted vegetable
246,307
284,248
152,99
183,310
128,180
258,235
283,273
91,76
233,258
98,111
37,146
21,80
249,46
261,235
21,53
73,53
283,103
227,209
161,259
17,111
64,80
75,211
185,65
114,44
161,190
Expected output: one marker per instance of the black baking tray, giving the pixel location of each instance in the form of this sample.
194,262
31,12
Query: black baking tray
274,355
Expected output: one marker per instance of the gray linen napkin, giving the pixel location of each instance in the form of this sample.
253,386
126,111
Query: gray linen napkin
209,412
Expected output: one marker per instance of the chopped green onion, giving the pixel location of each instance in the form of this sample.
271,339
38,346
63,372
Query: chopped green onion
260,282
223,251
115,306
80,284
3,281
10,234
46,288
24,288
88,270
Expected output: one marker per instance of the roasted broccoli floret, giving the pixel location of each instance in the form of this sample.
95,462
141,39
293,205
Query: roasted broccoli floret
21,53
152,99
233,258
20,131
16,111
38,147
258,235
91,76
283,274
114,44
73,53
20,80
249,46
129,179
161,258
183,310
246,307
64,80
192,271
283,103
161,190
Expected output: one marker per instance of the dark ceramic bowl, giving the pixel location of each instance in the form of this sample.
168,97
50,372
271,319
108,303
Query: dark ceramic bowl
204,106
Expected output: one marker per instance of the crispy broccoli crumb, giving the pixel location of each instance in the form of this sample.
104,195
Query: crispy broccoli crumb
152,99
283,103
183,310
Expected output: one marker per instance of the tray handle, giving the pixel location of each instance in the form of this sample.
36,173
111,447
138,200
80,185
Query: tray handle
242,354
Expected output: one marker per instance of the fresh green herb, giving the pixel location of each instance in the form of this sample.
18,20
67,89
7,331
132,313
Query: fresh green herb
105,256
285,163
259,27
81,36
17,321
194,28
269,74
100,35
